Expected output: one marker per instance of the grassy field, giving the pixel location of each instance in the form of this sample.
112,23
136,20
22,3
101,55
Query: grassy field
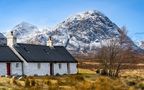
84,80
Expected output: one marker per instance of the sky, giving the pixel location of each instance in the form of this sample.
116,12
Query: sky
48,13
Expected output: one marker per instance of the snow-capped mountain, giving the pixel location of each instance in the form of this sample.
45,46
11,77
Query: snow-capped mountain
83,32
86,31
24,31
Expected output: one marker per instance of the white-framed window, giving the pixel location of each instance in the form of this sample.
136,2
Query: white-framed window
17,65
39,65
59,65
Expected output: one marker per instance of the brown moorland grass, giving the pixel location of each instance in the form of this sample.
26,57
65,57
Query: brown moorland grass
84,80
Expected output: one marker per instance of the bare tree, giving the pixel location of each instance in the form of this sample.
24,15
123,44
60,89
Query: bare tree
112,53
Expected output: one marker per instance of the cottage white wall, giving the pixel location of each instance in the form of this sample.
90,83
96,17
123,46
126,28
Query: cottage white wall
73,68
32,69
3,69
62,70
16,70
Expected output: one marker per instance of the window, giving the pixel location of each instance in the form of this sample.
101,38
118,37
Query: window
38,65
59,66
17,65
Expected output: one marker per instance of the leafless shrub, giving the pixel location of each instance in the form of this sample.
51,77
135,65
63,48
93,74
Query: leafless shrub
114,52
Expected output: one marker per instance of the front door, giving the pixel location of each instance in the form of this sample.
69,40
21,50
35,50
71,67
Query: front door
51,69
8,69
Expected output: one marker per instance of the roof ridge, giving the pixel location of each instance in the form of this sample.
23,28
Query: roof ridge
36,44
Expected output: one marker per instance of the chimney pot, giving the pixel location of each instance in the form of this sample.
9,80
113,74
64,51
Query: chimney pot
11,39
50,42
12,33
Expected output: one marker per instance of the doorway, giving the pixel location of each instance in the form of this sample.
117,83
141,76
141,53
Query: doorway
68,68
51,69
8,69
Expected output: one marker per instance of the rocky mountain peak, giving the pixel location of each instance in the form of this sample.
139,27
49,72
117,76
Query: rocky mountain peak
85,29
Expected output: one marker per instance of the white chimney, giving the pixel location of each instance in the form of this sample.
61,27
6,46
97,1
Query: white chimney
11,39
50,42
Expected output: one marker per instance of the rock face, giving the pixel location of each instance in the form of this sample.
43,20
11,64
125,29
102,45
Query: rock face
82,33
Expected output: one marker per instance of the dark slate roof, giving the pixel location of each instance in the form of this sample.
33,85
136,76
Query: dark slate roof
7,55
41,53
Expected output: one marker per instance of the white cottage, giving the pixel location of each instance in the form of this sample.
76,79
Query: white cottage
30,59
